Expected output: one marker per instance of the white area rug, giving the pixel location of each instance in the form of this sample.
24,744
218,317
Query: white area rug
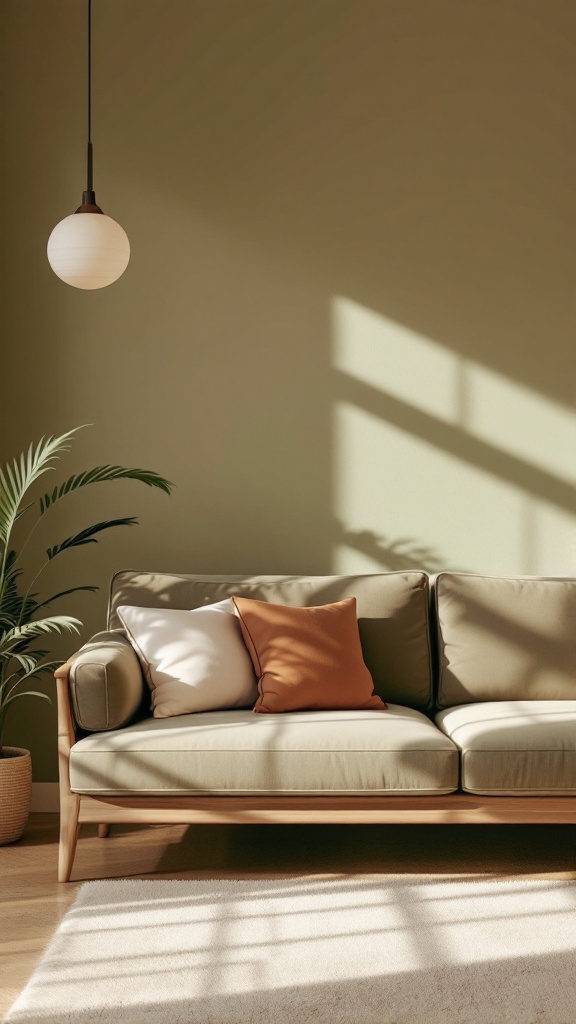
358,950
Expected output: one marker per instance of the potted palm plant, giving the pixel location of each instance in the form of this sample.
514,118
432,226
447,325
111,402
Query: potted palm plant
24,622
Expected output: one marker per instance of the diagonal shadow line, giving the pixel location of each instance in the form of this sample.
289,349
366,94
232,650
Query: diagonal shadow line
393,555
456,441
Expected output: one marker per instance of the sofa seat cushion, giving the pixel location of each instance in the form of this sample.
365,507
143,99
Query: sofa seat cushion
514,748
237,752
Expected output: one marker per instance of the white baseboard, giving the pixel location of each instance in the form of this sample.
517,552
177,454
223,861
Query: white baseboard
45,797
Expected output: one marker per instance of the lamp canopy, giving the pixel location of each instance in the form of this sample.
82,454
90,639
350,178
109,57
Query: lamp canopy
88,249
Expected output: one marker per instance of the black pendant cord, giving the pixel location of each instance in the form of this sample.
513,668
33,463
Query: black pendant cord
88,197
89,184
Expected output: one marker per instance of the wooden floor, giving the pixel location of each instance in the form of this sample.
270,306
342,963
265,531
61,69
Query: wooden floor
32,901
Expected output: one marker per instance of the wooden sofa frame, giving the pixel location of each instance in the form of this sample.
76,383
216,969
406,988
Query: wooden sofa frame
454,808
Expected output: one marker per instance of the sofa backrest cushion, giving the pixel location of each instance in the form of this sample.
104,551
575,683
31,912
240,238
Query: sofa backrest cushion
393,615
505,638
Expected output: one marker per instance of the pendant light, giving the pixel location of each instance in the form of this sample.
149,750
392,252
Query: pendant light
88,249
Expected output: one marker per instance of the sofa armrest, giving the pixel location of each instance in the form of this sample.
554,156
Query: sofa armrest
106,684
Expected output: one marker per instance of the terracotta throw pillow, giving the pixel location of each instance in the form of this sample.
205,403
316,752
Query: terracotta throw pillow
306,658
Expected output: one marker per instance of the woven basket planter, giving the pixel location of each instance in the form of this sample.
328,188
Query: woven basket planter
15,792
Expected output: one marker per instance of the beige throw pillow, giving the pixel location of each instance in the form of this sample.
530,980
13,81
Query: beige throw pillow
193,660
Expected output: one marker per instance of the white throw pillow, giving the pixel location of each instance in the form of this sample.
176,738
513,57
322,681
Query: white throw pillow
193,660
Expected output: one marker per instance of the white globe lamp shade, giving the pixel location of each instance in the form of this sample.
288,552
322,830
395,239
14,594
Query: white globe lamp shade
88,250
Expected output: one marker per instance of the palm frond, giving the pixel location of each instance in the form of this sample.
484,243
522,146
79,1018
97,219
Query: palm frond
28,662
22,621
16,477
13,607
30,658
24,509
28,693
64,593
54,624
87,536
100,474
15,678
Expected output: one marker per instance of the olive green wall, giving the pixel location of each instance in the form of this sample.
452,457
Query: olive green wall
347,329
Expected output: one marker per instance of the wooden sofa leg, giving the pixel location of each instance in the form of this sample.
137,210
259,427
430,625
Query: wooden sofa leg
69,807
69,801
103,831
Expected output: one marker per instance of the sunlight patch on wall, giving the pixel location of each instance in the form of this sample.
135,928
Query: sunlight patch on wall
468,469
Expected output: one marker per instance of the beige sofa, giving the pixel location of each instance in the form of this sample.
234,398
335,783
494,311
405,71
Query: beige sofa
478,672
